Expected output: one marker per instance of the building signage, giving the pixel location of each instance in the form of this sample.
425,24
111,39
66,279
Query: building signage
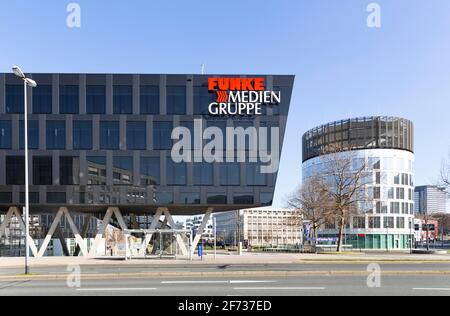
241,96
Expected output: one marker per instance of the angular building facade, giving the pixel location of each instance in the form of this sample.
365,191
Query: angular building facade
385,144
105,143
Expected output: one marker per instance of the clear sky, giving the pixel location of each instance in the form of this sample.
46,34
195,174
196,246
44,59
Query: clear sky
343,68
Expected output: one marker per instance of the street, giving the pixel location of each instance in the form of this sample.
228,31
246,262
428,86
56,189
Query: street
325,279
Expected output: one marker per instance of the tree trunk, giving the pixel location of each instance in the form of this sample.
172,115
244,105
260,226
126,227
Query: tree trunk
316,235
341,235
428,233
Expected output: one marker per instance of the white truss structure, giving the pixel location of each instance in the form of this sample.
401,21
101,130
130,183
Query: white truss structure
111,211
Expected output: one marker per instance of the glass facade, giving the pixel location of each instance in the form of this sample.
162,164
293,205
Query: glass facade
95,99
359,133
33,134
149,99
5,135
42,99
109,135
105,140
123,99
82,135
69,99
56,135
14,98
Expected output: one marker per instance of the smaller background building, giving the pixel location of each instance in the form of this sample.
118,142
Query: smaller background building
260,227
193,223
430,199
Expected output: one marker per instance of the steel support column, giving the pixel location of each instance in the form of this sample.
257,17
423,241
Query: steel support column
105,222
153,225
201,229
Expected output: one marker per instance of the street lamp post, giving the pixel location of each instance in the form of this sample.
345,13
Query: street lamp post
26,82
411,236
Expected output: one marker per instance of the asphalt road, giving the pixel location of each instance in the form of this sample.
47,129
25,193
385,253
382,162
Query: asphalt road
249,286
415,279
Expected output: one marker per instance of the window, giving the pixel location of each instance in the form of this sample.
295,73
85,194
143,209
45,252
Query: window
400,194
150,173
162,135
359,222
82,135
14,98
176,100
202,99
56,134
5,135
164,197
42,99
123,170
266,199
123,99
254,175
376,192
15,170
33,135
42,170
96,169
69,102
109,135
56,197
395,208
95,100
400,222
5,197
243,199
136,135
190,198
374,222
176,172
33,197
216,198
230,173
388,222
69,170
149,101
203,173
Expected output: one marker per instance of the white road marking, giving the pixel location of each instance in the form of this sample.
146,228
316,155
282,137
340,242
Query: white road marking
250,281
118,289
278,288
217,282
430,289
193,282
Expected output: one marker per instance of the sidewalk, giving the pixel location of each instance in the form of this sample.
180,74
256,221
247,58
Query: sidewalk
245,258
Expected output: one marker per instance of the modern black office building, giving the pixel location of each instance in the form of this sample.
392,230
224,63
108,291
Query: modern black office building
102,140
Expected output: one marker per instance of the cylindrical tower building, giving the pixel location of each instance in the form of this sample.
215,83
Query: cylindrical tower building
386,145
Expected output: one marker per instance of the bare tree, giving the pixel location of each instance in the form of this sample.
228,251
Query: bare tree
313,203
444,224
345,178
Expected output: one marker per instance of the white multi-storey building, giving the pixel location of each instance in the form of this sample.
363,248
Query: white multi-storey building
260,227
385,145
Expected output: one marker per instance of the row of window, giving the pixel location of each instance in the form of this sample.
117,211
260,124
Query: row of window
394,208
123,171
392,193
375,222
161,198
82,133
149,99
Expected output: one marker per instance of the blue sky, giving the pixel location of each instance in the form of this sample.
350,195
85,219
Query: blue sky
343,68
